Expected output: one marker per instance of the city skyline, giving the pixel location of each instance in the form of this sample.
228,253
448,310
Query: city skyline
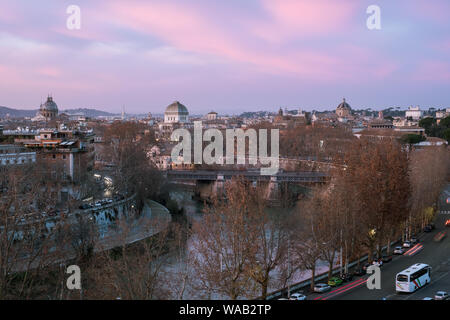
225,57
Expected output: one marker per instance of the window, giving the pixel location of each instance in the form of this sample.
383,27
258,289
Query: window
402,278
54,156
418,274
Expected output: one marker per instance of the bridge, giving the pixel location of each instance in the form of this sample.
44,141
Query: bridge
208,183
252,175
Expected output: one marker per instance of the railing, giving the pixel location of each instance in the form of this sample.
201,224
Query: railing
302,284
280,177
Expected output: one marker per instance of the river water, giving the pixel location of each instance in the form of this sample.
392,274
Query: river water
178,274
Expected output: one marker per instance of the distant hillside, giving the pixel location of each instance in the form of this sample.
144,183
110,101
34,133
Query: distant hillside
16,113
256,114
19,113
92,113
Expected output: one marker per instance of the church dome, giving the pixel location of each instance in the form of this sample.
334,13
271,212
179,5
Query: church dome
343,106
49,105
176,113
176,108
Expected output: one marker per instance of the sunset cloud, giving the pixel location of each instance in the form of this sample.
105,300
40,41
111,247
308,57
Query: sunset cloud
301,52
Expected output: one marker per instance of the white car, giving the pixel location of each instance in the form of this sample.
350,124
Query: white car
398,250
298,296
441,295
321,287
427,298
407,244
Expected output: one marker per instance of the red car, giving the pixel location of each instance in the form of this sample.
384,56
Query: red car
447,223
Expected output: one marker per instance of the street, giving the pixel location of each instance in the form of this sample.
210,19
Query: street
435,254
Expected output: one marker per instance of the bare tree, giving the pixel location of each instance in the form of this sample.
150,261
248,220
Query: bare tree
224,243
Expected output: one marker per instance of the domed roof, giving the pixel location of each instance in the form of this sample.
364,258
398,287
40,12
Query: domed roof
178,108
50,105
343,105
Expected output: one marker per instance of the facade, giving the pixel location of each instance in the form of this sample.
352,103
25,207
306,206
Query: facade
68,155
442,113
414,113
15,155
211,116
380,124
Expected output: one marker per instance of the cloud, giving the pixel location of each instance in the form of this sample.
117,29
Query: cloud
303,18
189,29
432,72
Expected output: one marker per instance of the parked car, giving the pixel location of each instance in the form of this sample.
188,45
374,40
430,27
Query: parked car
321,287
359,272
378,263
346,277
441,295
427,298
335,281
398,250
386,258
52,213
414,240
298,296
447,223
365,266
427,229
407,244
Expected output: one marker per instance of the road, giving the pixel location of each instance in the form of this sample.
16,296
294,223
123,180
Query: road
435,254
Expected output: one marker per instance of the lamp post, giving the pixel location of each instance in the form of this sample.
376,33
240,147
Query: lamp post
289,267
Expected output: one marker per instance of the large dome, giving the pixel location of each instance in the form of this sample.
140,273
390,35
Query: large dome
343,106
49,105
177,108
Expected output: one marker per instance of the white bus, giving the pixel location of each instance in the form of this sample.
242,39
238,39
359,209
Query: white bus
413,278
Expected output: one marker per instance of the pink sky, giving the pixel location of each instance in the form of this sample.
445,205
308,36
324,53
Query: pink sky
226,56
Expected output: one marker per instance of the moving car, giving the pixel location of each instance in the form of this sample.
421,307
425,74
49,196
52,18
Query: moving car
447,223
441,295
298,296
398,250
321,287
335,281
427,298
